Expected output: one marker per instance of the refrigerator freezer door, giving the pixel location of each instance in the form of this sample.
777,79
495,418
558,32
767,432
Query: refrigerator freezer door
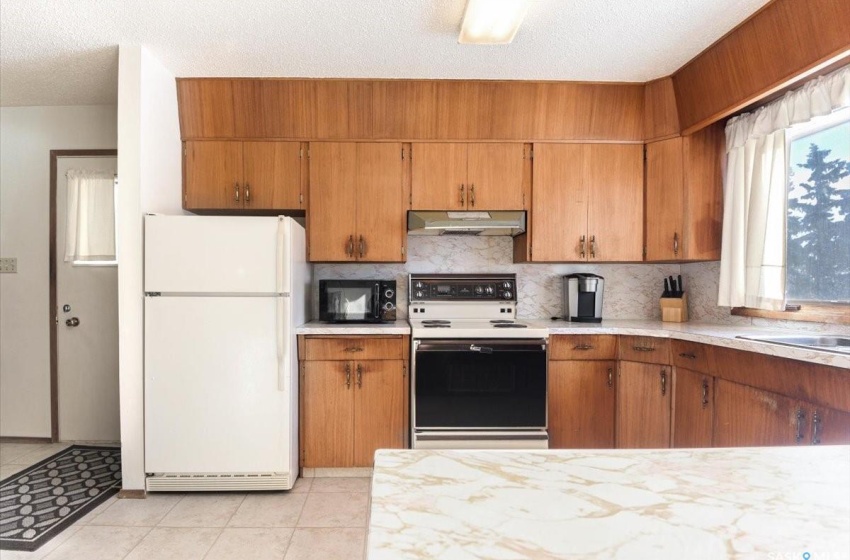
213,402
216,254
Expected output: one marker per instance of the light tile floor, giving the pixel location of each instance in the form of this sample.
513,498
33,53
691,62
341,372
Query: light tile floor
321,519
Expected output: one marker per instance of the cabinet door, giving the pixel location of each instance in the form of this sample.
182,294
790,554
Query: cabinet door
643,405
495,176
327,414
381,227
213,175
331,224
581,404
745,416
559,203
438,176
378,408
272,175
614,175
702,153
693,408
664,192
829,426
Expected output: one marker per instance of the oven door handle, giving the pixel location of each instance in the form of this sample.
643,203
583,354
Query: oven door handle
481,346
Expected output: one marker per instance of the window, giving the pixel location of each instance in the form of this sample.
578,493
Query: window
818,211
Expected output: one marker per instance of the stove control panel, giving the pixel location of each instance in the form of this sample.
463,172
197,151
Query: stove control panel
462,287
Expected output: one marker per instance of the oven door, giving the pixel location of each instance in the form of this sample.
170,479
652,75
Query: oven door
350,301
479,384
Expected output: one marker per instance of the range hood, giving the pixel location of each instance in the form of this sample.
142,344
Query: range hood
511,222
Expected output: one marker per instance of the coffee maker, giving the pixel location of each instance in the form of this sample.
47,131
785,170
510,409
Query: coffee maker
583,298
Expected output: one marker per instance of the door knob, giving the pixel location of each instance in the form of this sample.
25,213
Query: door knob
72,322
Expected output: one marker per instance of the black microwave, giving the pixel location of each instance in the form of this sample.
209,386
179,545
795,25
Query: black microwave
357,301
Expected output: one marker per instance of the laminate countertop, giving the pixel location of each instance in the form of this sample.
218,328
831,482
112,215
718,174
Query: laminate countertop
346,329
768,502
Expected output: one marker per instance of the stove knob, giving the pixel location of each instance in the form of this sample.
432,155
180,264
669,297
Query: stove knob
489,290
419,294
507,294
506,285
479,290
419,285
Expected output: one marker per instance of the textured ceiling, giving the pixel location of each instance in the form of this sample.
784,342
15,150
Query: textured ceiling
61,52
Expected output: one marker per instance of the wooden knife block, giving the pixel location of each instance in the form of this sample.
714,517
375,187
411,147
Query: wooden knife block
675,310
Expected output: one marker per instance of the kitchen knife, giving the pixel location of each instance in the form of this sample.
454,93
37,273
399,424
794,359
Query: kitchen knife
667,288
680,286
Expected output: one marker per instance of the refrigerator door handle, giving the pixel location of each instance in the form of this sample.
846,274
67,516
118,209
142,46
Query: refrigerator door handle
283,346
283,257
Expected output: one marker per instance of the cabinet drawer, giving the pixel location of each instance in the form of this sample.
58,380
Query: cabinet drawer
646,349
583,347
692,355
354,348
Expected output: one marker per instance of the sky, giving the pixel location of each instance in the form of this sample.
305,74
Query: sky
836,138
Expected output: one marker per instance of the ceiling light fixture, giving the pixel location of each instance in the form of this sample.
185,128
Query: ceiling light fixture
491,22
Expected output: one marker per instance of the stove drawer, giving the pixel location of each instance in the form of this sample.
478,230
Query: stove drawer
355,348
583,347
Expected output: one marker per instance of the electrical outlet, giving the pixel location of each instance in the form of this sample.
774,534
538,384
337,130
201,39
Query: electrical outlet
9,264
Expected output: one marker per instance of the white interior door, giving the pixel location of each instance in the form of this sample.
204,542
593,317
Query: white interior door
87,353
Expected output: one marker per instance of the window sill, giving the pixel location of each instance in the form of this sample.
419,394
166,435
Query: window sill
837,314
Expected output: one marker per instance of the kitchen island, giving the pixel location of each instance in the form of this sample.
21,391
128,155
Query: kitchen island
771,502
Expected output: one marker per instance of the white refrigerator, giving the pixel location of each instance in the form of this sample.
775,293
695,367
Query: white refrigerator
223,296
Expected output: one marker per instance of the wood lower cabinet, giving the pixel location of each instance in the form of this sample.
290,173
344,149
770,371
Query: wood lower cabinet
643,405
581,404
587,202
746,416
350,408
693,408
829,426
357,208
684,197
467,176
233,175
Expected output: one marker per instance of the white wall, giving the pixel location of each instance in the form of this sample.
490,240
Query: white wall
27,134
149,174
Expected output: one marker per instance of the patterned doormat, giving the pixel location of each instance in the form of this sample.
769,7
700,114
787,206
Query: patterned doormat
43,500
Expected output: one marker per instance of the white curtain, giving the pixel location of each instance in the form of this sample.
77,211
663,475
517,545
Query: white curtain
90,222
752,262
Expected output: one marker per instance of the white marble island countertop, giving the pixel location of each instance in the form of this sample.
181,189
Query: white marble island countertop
777,502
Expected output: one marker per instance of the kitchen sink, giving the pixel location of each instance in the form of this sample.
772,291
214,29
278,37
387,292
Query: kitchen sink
827,343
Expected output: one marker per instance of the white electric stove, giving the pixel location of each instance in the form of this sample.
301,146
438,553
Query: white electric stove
478,373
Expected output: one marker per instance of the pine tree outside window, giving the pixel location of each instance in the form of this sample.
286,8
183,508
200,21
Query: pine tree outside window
818,211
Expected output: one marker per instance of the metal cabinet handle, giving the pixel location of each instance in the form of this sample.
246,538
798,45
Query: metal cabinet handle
704,393
592,246
354,349
347,375
817,426
349,247
801,424
610,377
688,355
675,243
583,347
643,348
581,246
462,198
247,193
663,382
360,375
472,195
236,192
362,247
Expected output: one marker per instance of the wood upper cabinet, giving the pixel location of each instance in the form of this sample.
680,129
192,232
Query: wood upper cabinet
467,176
351,408
213,175
684,197
587,202
242,175
643,405
357,208
693,408
581,404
